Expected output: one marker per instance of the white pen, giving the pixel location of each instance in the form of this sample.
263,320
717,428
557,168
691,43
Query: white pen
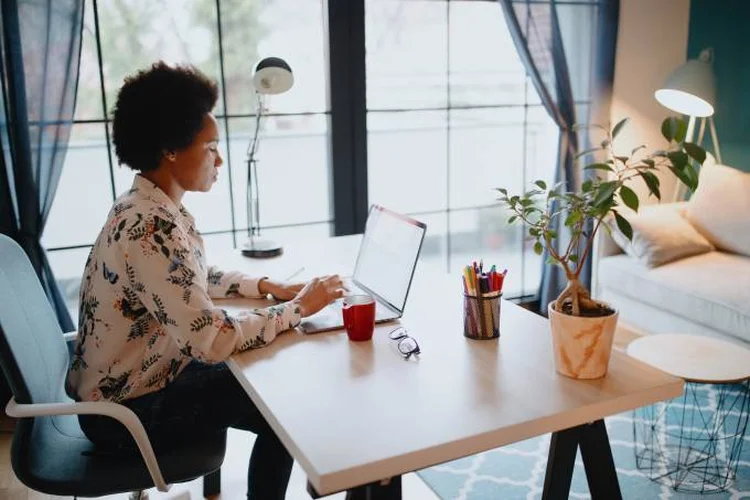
295,273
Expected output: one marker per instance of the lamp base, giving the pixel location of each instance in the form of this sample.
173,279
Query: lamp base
259,248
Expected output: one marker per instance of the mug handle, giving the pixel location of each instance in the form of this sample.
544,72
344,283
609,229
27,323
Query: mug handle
347,312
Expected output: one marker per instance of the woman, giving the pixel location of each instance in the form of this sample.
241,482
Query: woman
149,335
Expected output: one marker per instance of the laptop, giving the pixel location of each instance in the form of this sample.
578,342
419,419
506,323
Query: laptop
385,267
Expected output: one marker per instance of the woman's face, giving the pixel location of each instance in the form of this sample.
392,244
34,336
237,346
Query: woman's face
196,167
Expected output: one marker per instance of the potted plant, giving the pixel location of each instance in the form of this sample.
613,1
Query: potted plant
582,327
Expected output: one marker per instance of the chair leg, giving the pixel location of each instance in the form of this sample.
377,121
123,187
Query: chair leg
212,483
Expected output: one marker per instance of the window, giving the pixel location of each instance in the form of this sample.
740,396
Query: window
121,37
448,110
450,116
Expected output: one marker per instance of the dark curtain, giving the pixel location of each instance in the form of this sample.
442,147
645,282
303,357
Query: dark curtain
41,47
568,50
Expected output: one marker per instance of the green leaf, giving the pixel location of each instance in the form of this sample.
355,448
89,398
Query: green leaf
572,218
573,258
599,166
618,127
541,184
681,130
512,219
696,152
652,182
606,191
538,248
678,158
623,159
693,175
635,150
669,128
503,191
624,226
587,152
586,186
650,163
682,175
629,198
605,143
551,234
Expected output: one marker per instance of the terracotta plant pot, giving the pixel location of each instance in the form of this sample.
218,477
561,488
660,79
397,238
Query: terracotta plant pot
582,346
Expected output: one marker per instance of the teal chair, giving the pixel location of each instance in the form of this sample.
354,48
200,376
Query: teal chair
50,453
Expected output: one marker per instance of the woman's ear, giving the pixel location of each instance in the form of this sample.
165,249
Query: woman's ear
170,155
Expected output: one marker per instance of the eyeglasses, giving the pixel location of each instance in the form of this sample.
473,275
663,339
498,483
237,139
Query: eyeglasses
406,344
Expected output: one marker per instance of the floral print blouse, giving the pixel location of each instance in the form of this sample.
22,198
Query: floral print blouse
145,302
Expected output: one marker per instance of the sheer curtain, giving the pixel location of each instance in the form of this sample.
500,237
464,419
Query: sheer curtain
568,49
41,47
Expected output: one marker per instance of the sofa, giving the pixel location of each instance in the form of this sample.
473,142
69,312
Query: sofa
697,284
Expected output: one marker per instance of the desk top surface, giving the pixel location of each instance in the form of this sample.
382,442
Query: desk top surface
352,413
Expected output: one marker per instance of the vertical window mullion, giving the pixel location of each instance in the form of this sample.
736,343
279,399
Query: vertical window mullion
97,33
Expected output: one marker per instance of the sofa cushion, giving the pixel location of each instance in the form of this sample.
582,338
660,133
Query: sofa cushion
660,235
712,289
720,206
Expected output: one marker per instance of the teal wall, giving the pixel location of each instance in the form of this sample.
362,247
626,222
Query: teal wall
724,25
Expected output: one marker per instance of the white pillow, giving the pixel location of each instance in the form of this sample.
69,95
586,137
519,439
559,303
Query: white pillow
720,208
660,235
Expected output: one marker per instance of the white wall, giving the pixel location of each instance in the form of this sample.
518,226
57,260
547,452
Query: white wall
651,41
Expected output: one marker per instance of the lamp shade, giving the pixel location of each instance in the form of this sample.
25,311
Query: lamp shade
272,75
691,88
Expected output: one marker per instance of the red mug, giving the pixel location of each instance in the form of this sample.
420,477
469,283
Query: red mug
359,317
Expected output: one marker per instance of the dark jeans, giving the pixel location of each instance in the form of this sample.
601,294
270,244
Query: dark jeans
202,400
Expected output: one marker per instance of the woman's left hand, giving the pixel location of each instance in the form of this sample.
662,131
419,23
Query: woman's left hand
280,290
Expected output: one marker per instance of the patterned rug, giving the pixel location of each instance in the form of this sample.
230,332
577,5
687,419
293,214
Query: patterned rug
517,471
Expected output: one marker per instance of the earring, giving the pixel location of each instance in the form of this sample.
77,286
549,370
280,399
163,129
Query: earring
171,156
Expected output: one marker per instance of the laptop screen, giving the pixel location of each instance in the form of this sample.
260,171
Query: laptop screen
388,254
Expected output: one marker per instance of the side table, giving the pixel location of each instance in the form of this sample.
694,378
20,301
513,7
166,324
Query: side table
693,443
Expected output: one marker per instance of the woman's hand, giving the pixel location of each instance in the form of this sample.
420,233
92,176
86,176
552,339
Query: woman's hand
280,290
318,293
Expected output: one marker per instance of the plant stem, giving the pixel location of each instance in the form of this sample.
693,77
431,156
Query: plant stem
589,243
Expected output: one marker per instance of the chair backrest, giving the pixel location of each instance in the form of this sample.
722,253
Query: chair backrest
33,354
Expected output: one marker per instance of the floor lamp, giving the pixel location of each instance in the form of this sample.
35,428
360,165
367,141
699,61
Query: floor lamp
272,75
691,90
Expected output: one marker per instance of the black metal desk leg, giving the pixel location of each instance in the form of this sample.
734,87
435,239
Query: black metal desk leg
377,491
598,462
560,462
212,483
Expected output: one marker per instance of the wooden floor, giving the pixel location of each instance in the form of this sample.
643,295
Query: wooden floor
234,471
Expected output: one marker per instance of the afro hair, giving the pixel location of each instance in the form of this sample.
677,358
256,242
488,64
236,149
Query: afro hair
160,109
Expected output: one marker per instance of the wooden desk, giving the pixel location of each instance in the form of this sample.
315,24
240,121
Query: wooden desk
357,413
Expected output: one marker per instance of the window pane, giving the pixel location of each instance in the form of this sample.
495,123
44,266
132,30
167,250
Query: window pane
406,53
289,29
295,234
542,137
89,96
484,234
485,68
136,33
67,265
293,169
486,153
434,253
76,219
407,160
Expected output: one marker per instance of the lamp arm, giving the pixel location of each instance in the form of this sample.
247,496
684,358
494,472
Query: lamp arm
252,202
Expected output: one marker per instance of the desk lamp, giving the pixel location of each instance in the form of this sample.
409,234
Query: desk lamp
691,90
272,75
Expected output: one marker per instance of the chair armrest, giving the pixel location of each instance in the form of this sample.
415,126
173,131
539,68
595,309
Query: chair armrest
119,412
67,337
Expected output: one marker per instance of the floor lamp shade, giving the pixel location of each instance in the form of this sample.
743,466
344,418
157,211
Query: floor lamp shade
691,88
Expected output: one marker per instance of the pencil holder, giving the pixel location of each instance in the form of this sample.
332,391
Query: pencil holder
482,316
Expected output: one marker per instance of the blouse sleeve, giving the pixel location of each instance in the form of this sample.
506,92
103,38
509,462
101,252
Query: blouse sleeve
164,274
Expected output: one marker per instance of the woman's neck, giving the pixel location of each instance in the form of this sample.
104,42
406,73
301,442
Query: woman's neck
166,183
